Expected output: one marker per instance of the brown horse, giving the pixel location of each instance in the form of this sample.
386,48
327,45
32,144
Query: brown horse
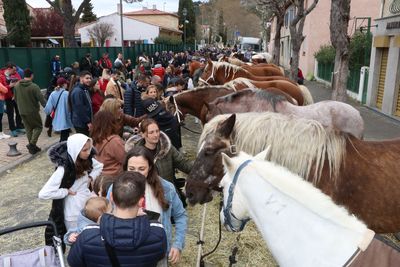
360,175
193,66
193,101
303,97
221,72
250,67
333,115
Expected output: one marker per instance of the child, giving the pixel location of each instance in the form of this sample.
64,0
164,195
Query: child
68,185
94,208
151,92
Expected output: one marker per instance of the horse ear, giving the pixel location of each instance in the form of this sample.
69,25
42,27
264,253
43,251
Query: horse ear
209,61
226,127
227,162
263,154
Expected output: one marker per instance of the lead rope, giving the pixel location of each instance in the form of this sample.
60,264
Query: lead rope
200,242
221,203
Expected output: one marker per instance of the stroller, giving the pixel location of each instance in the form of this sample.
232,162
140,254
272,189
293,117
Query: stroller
46,256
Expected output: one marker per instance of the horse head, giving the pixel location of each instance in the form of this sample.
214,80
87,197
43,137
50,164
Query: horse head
234,214
172,107
207,78
207,169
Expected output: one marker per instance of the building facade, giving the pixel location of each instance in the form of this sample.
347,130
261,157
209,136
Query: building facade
384,73
316,30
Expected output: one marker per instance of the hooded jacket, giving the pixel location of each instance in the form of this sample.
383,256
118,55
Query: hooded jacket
65,206
167,157
81,106
28,96
136,242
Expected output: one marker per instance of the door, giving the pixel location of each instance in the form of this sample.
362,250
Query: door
382,76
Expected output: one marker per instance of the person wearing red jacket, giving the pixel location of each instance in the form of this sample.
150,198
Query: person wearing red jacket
159,70
9,78
105,62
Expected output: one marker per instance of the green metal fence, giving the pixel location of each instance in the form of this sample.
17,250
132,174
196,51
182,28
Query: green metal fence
325,71
38,59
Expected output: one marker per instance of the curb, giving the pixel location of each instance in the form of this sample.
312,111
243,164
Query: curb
8,168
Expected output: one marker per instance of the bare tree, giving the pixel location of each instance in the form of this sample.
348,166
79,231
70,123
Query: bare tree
296,33
65,9
340,13
101,32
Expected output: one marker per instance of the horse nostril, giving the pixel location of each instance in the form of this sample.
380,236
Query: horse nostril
189,195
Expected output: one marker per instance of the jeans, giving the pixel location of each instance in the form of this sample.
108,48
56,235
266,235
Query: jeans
84,131
11,105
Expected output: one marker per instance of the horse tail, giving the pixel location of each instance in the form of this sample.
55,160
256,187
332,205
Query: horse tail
308,99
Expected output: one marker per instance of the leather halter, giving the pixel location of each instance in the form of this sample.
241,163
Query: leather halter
227,209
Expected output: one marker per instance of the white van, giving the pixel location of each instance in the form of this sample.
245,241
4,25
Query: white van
252,42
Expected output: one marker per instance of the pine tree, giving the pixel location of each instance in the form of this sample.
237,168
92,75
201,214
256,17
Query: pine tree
16,16
190,17
87,13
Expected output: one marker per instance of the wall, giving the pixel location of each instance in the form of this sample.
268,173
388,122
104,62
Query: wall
133,30
167,21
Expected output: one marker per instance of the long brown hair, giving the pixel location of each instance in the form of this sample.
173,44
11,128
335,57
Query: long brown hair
112,105
104,125
152,178
145,124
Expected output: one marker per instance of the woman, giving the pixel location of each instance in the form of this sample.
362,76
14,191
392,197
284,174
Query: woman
115,107
104,79
151,92
68,185
160,198
58,102
166,157
96,95
109,145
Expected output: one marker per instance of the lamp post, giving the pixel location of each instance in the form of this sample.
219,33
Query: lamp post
184,13
122,23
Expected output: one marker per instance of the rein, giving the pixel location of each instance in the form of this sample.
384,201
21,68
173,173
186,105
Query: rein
227,210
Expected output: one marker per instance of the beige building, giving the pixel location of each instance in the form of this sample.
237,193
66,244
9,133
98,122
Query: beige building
316,30
168,22
384,74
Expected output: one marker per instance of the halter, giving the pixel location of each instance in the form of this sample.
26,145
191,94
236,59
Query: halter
227,210
177,113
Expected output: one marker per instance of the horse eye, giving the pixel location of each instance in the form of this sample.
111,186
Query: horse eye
209,152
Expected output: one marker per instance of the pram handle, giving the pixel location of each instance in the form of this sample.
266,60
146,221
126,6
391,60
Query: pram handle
29,225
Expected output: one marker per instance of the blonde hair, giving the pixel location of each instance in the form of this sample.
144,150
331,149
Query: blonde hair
112,105
95,207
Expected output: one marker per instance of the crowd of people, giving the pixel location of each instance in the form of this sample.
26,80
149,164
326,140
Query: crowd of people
115,176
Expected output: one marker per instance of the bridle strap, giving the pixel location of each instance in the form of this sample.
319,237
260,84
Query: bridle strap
227,209
177,113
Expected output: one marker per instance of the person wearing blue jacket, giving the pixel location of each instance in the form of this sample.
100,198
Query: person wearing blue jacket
58,102
161,201
125,238
81,104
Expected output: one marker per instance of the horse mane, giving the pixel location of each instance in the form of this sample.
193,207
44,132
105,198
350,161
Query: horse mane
232,84
228,67
303,192
308,99
201,88
235,61
304,141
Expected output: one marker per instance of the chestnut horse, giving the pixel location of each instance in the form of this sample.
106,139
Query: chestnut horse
221,72
193,101
258,70
333,115
298,92
360,175
193,66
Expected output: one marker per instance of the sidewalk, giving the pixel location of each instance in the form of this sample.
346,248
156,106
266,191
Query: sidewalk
7,163
377,125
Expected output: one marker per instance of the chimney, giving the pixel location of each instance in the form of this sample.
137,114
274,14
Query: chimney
154,7
119,9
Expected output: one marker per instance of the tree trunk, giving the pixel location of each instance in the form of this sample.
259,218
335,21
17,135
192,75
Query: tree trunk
296,34
277,41
340,13
69,33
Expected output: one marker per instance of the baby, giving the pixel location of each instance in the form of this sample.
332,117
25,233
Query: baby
94,208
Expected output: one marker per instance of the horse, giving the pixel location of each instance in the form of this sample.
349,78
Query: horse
360,175
193,101
294,216
218,73
298,92
258,70
193,66
333,115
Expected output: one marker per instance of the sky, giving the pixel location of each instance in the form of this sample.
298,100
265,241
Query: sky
105,7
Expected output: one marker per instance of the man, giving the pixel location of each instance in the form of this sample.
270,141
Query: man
55,65
105,62
28,97
81,104
9,78
86,63
119,59
133,97
124,238
114,86
197,73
